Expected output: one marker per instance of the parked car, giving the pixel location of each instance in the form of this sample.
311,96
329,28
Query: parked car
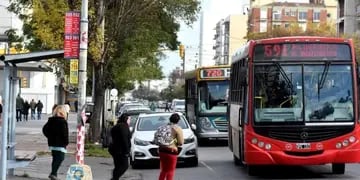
130,105
143,150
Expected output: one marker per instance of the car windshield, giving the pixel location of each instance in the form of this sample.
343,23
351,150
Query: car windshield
179,103
152,123
291,94
213,96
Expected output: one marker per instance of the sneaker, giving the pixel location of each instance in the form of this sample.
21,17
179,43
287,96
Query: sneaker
52,177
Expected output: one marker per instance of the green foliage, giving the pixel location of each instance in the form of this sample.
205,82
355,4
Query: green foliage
356,40
96,151
144,93
312,29
173,92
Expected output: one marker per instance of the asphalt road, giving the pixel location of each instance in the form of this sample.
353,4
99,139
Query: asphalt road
215,163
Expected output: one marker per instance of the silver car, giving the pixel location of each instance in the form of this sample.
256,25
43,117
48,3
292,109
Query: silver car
144,151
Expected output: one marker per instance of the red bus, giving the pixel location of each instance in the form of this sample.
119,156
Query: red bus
293,101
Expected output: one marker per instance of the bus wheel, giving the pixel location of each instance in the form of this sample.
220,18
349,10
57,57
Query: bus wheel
338,168
252,170
238,161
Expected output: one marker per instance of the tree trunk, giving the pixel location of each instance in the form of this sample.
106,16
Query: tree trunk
99,104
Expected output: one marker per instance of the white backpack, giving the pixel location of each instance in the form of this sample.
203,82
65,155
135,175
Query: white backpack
163,136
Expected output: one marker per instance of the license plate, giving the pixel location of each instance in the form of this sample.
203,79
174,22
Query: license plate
303,146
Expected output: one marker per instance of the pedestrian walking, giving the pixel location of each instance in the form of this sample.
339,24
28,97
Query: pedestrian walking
167,108
57,133
39,107
19,107
32,109
168,137
26,110
119,148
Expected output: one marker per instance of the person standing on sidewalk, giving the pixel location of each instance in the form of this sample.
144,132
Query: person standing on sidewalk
39,107
26,110
57,133
120,146
19,107
32,108
168,153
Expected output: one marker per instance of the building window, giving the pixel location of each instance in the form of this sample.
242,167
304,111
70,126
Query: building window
263,26
293,13
316,17
263,14
24,77
276,26
302,16
276,15
287,25
287,12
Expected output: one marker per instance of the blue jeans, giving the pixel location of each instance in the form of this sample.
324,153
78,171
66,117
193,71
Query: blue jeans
39,115
33,114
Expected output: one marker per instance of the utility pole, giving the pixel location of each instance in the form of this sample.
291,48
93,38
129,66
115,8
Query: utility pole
82,81
83,55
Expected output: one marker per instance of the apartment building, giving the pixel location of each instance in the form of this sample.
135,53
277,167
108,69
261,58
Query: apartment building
230,35
348,21
267,14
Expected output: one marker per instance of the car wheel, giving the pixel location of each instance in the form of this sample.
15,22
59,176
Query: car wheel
193,162
338,168
134,164
237,161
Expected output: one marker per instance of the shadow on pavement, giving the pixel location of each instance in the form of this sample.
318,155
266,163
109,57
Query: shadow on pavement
294,172
212,143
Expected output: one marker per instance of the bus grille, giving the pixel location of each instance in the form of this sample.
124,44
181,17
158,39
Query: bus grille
220,123
303,134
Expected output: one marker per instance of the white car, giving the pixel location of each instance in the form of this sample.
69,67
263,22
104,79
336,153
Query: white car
143,151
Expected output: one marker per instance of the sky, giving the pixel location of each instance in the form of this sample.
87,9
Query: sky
214,11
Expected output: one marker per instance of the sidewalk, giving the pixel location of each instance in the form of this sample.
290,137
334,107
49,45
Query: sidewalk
29,138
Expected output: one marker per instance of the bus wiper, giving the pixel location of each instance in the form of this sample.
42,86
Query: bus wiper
321,82
288,81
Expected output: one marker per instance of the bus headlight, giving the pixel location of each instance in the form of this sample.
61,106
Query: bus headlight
352,139
205,123
338,145
345,142
268,146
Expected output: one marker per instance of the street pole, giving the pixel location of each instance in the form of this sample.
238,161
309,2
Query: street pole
82,75
83,55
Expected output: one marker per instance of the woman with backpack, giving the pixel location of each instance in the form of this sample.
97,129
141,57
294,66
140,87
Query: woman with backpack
168,153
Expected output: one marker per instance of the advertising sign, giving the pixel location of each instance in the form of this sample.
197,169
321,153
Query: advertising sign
72,35
74,66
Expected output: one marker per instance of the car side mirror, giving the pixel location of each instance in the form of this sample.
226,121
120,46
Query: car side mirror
193,127
131,129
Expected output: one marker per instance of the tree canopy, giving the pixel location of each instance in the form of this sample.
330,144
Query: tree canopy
124,37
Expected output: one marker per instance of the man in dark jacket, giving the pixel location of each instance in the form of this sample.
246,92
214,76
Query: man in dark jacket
120,146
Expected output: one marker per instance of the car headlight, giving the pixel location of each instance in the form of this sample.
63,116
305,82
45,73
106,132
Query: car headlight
141,142
205,123
189,140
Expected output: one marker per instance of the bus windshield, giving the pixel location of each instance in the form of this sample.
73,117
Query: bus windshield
213,96
294,94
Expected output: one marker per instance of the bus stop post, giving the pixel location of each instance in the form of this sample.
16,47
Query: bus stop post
4,130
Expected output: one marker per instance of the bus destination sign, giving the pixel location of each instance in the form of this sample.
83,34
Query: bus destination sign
300,51
215,73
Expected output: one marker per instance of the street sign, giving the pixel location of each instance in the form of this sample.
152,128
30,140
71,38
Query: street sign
74,67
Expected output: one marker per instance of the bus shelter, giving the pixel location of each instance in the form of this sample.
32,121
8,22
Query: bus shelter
11,64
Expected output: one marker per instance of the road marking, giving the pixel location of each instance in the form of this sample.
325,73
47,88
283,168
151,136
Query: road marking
207,166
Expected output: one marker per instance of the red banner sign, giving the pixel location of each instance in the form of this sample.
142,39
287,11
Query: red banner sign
72,35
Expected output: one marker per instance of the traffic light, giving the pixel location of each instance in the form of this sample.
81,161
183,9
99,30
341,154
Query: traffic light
182,51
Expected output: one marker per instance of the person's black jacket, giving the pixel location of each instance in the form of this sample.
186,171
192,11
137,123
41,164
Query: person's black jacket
57,132
120,135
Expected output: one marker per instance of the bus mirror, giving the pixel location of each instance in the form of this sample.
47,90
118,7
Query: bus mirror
193,127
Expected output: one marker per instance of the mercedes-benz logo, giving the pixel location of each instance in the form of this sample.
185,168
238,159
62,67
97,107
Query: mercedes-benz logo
304,135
